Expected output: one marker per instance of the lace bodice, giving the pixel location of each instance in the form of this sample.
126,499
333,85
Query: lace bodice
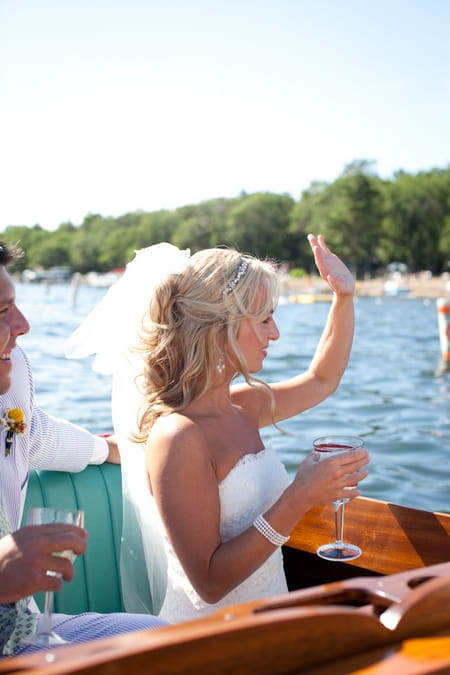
250,488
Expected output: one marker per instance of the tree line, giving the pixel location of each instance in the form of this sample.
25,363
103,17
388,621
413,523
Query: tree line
368,220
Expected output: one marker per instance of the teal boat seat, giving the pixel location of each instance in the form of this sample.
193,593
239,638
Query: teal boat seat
97,490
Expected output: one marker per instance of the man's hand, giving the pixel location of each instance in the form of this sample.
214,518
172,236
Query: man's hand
27,554
113,456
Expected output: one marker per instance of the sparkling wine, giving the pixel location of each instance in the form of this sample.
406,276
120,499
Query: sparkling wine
45,636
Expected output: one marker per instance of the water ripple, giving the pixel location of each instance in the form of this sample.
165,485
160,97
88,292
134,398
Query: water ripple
389,394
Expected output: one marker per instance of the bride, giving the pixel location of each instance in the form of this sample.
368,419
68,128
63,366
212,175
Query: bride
212,504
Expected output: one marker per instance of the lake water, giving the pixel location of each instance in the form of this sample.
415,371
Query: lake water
390,393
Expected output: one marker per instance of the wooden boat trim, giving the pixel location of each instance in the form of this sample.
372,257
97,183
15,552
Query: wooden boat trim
393,539
290,633
301,631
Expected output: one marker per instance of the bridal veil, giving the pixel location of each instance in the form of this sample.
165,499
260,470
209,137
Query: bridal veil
110,332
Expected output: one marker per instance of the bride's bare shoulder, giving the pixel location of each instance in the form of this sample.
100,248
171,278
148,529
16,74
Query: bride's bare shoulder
174,429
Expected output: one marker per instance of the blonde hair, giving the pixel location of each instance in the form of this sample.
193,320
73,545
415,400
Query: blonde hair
192,318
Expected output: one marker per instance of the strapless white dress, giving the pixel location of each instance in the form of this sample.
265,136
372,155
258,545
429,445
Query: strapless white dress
250,488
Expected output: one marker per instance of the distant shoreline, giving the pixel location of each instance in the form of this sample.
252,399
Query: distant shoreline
412,285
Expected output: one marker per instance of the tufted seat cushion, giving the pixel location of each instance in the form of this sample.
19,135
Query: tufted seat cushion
97,490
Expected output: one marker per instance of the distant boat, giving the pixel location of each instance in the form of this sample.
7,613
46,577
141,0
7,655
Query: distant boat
54,275
395,287
102,280
396,279
309,298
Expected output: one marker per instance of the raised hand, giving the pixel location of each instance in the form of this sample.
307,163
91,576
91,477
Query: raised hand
331,268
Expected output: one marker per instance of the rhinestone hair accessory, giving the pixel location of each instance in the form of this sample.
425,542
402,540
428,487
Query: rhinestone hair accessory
241,271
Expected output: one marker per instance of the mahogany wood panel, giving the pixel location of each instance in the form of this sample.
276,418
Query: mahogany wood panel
300,631
290,634
393,538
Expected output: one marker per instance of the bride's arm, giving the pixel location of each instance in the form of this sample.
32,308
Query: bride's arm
331,356
185,488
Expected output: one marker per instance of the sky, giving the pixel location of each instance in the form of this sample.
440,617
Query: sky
115,106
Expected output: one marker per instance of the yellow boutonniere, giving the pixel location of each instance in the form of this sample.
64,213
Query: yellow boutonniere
14,422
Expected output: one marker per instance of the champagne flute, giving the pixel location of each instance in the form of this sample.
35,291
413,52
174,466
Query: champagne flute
39,516
329,446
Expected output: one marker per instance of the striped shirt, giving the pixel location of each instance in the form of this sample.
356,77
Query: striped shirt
48,442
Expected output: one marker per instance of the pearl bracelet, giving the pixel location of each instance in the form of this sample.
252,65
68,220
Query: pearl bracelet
268,532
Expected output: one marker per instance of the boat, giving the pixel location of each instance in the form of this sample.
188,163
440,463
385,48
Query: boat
396,280
53,275
102,280
309,298
386,612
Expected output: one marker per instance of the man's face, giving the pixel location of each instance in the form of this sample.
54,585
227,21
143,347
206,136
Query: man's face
12,324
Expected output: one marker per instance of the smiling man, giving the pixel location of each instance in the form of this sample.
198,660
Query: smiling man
30,438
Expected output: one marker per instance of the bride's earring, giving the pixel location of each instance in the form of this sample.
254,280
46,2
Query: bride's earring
220,365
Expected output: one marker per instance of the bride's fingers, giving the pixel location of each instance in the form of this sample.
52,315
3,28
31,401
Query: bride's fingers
351,480
322,244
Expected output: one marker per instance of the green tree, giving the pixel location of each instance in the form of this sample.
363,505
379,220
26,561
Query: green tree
368,221
53,249
202,225
89,249
30,239
444,243
417,211
259,223
154,228
308,215
347,212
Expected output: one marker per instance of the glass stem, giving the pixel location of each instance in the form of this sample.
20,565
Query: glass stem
46,621
339,523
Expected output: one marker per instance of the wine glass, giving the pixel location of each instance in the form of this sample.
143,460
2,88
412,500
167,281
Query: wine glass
329,446
39,516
